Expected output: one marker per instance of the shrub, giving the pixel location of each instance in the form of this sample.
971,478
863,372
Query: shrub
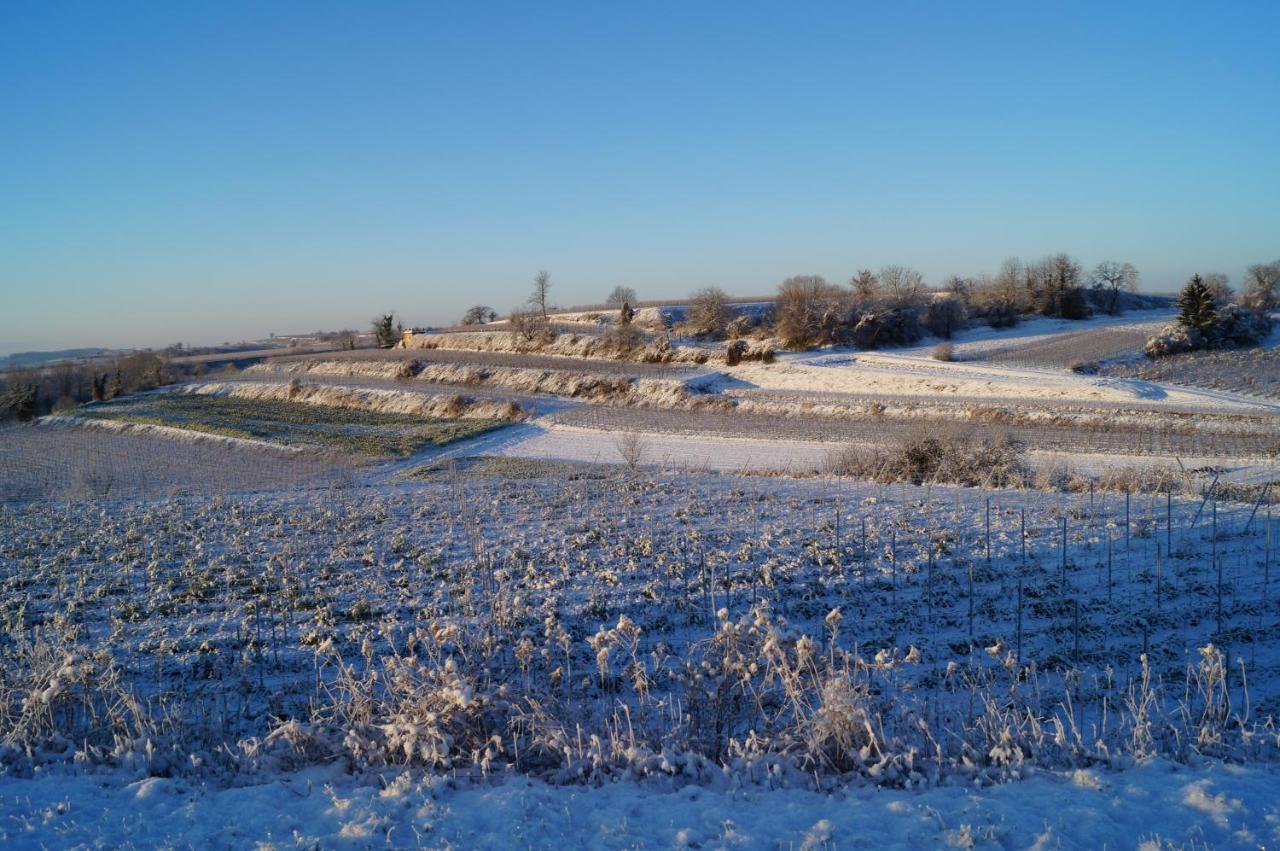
708,315
944,352
809,311
963,456
1172,340
1238,327
886,326
944,316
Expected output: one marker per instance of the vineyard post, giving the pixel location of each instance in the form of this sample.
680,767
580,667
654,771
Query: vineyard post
1018,630
1024,536
1064,551
1215,530
1159,579
1109,583
893,567
988,530
1127,573
1219,599
970,603
1075,629
929,590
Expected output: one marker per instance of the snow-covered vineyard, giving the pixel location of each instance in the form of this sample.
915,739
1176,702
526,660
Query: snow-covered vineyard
575,624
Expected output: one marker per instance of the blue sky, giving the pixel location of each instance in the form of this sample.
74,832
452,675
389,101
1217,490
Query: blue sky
214,171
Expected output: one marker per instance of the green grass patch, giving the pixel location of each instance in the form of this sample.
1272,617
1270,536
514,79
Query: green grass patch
495,466
294,423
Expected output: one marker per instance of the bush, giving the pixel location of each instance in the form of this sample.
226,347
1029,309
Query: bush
963,456
886,326
1084,367
1239,328
944,316
708,315
944,352
1230,327
810,311
1172,340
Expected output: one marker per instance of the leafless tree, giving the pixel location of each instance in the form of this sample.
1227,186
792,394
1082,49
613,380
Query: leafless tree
631,449
1262,287
865,285
621,296
708,315
1219,286
539,300
1109,279
1054,284
902,286
809,310
1002,298
479,315
529,326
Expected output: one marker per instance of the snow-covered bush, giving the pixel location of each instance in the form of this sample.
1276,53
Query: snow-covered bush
1173,339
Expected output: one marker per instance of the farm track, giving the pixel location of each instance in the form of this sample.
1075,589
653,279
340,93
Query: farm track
877,430
957,402
508,359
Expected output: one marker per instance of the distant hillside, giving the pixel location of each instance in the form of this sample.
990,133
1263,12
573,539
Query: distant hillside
21,359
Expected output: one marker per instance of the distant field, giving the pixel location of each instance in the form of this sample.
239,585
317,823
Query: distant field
67,461
1254,371
1063,350
293,424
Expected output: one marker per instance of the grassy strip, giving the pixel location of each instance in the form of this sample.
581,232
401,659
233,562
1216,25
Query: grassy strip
501,467
346,429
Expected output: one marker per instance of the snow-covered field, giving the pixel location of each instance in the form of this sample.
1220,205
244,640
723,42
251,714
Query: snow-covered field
1155,806
602,627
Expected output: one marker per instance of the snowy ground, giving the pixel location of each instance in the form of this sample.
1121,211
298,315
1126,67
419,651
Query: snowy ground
897,374
1156,806
670,451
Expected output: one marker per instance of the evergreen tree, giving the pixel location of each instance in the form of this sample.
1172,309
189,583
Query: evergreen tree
1196,306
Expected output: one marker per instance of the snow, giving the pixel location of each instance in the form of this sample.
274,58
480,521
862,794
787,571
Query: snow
896,374
1159,803
568,443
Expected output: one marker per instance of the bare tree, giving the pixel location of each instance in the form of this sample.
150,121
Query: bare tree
1219,286
529,326
708,315
621,296
479,315
1262,287
865,285
541,293
809,310
902,286
631,449
1002,298
1109,279
1054,284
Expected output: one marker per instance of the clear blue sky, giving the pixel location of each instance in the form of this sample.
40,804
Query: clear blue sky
210,171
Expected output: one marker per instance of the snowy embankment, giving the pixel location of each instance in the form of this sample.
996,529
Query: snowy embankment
1154,806
904,375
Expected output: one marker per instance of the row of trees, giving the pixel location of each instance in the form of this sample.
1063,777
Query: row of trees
29,393
893,305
